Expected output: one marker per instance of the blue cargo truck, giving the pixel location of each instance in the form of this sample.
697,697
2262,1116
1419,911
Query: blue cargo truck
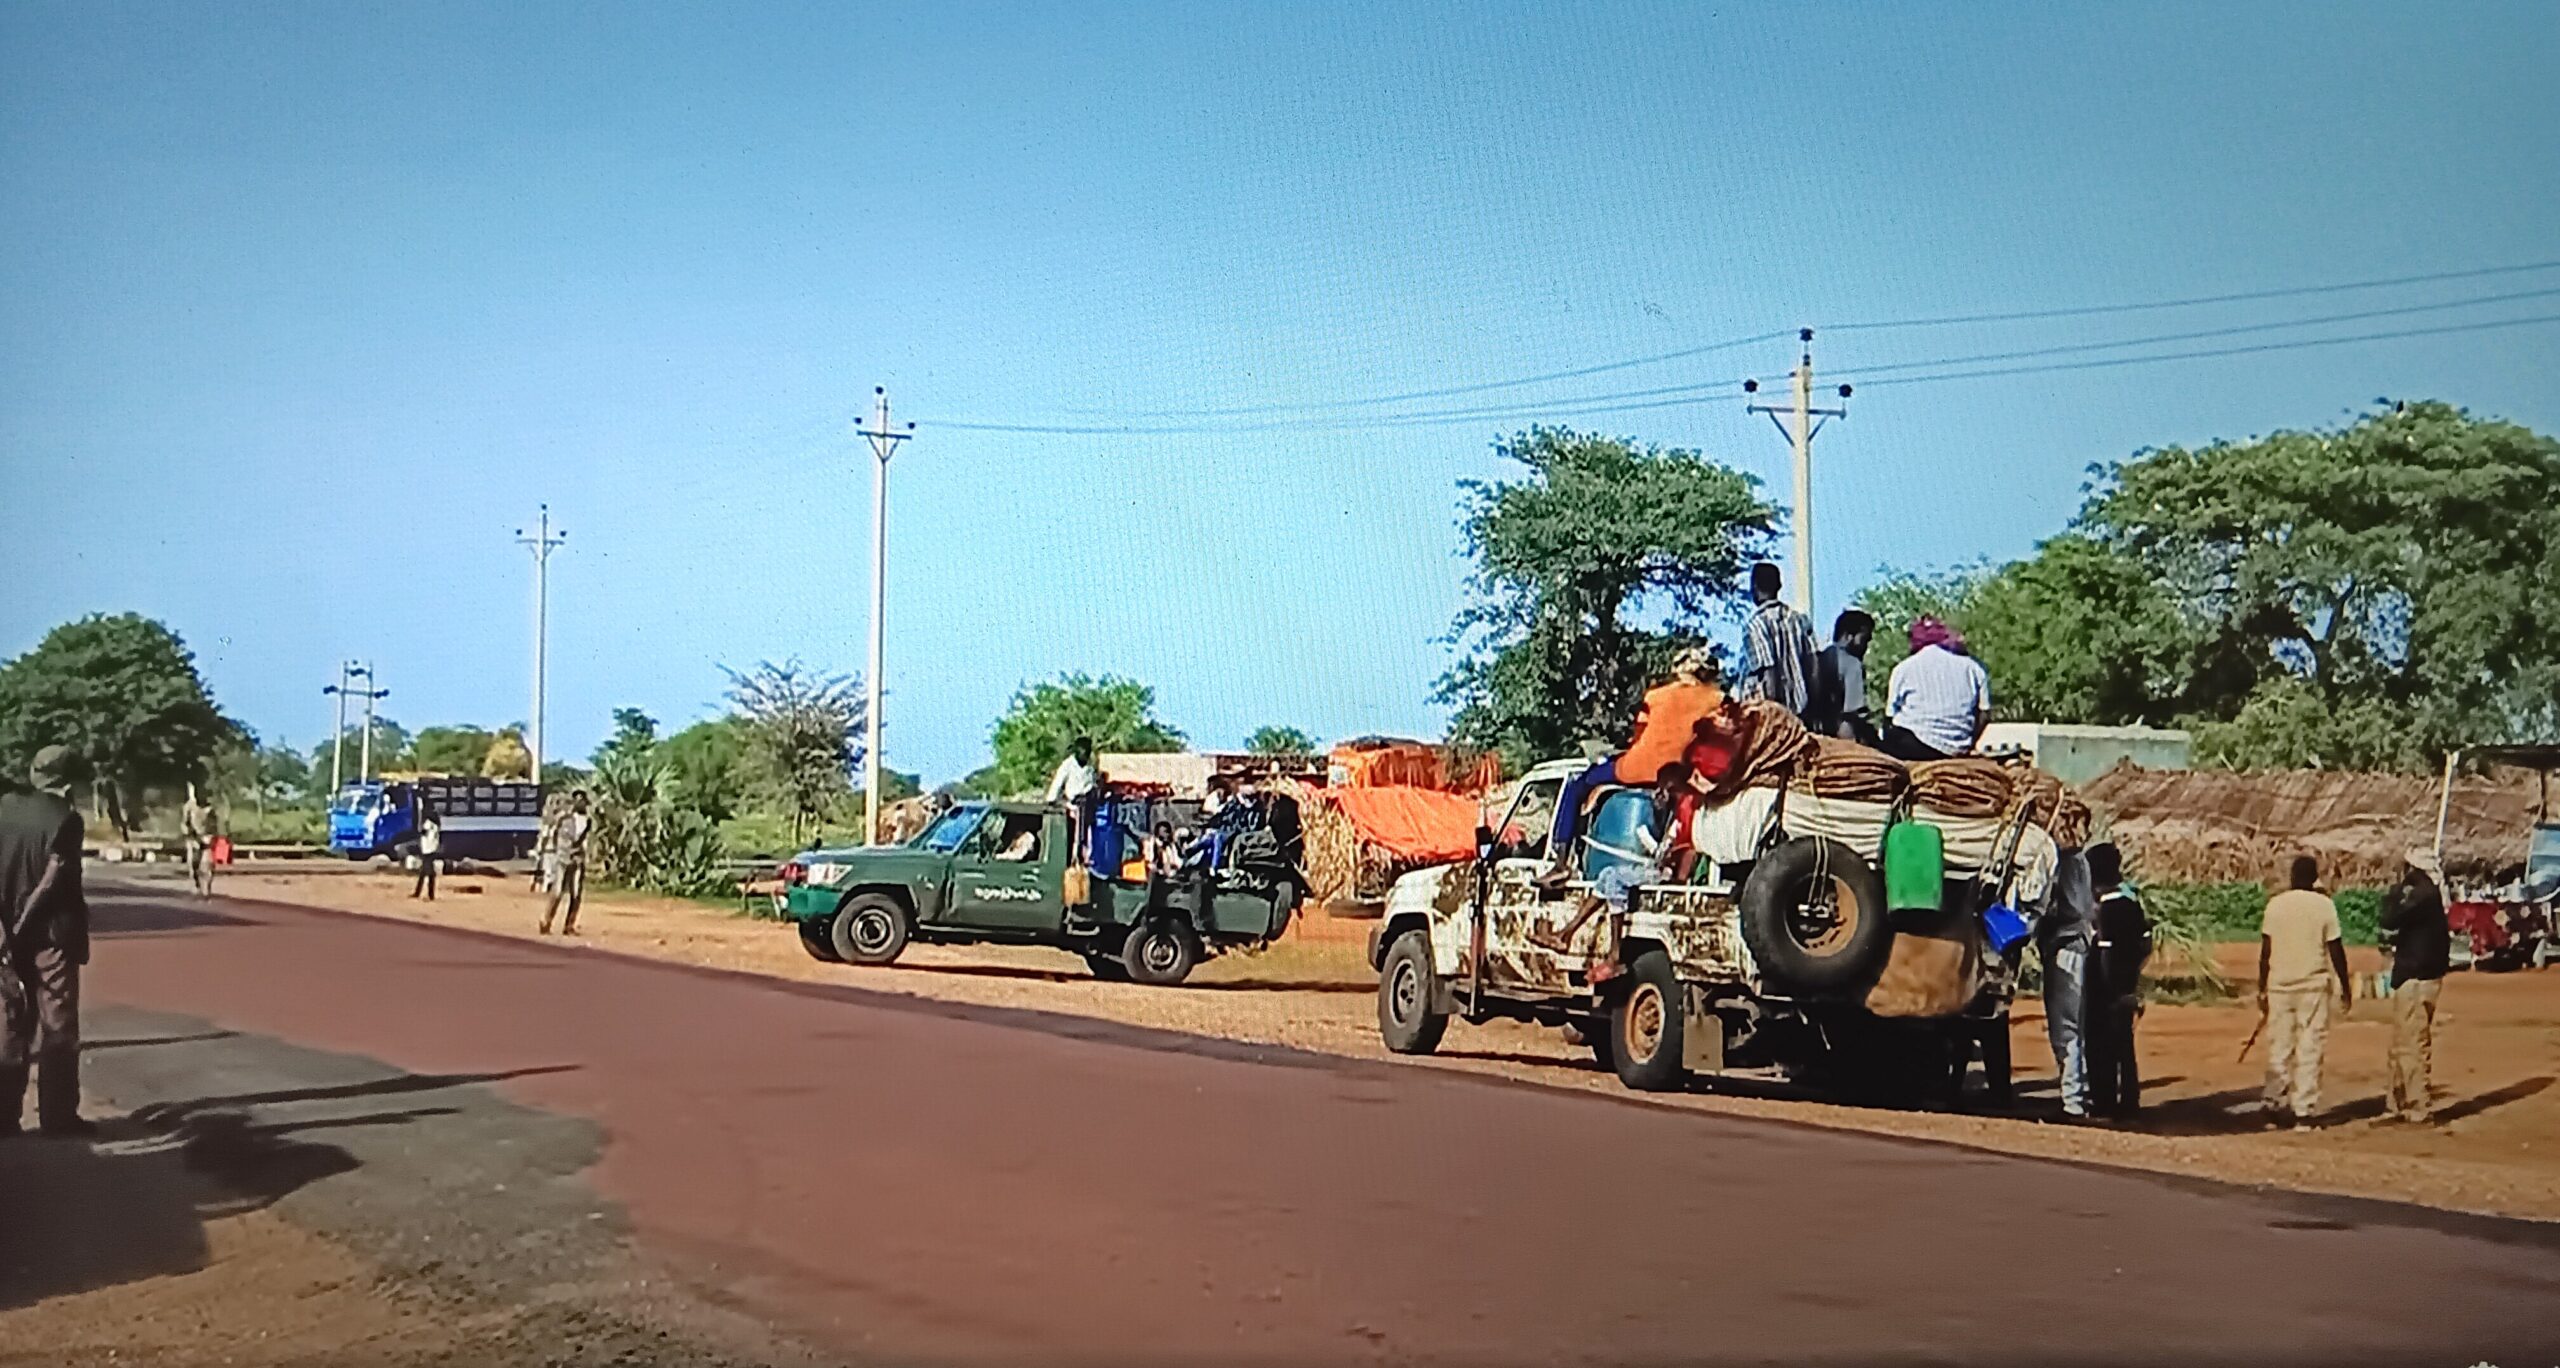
483,819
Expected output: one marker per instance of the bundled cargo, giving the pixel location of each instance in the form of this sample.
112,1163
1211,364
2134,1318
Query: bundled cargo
1965,787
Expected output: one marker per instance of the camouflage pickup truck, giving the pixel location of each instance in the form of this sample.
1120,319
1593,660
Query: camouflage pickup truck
1757,967
999,873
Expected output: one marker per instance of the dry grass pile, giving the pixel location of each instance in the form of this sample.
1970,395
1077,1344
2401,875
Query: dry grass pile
1341,867
2219,827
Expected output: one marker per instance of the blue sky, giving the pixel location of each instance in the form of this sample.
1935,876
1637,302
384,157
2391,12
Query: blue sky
308,307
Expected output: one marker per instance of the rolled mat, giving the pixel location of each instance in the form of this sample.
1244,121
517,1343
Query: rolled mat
1845,769
1774,745
1965,787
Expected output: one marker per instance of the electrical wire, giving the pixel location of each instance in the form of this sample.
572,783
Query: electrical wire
2202,334
2199,301
1452,391
2296,345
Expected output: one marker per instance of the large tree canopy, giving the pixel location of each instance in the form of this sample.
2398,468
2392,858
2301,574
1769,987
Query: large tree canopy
1591,573
123,693
2363,597
1043,719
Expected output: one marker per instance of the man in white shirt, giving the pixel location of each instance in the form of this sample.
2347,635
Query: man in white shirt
1939,697
1072,783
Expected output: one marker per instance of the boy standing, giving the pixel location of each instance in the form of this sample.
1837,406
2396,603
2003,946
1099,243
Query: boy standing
2299,952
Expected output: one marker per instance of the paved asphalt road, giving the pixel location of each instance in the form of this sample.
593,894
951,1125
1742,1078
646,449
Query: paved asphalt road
897,1179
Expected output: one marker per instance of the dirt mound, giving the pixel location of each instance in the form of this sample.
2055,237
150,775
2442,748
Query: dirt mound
2204,826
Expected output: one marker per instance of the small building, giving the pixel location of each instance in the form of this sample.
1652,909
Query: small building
2076,754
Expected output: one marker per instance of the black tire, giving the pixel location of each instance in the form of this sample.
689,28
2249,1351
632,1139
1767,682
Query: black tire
818,938
1106,966
1645,1027
1159,953
869,929
1595,1035
1409,1022
1813,939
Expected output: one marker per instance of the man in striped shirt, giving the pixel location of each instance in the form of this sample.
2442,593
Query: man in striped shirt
1777,646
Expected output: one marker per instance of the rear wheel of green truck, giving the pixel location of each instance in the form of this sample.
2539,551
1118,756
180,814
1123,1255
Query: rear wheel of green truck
818,940
1161,954
1408,1022
1645,1026
870,929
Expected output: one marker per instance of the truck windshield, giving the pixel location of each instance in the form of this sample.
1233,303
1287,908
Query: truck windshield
951,828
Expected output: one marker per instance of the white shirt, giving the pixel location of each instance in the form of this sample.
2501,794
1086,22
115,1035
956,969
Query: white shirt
1073,780
1940,697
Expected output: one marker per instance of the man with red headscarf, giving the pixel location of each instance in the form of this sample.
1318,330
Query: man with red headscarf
1939,697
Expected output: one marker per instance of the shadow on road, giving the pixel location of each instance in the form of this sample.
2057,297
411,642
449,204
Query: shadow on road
109,917
393,1085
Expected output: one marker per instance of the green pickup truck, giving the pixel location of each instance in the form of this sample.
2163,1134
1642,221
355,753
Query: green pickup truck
997,874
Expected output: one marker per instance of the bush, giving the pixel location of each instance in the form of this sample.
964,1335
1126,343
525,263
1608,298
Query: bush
2231,911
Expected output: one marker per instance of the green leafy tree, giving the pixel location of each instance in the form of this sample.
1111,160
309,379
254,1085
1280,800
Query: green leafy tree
2077,632
123,693
508,756
450,750
643,837
1591,573
2405,559
390,753
803,734
1044,719
634,733
710,766
1280,741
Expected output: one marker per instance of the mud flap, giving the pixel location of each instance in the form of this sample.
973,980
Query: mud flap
1701,1034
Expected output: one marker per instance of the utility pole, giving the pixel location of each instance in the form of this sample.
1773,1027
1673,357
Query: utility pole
364,766
338,738
542,541
1808,421
884,442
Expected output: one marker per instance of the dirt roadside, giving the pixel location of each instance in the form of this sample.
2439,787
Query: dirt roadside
2498,1053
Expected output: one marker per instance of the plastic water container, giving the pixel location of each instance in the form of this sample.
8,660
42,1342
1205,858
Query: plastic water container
2003,927
1915,867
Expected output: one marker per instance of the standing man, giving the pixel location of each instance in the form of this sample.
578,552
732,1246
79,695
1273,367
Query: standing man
430,854
565,870
2114,998
2298,952
1777,646
44,939
1939,697
2413,922
1838,702
198,825
1072,783
2064,936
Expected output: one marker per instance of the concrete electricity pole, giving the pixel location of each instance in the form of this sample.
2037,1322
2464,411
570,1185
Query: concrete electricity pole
884,442
364,768
542,541
338,738
1808,421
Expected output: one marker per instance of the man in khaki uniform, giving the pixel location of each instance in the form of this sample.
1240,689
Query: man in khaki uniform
2413,921
198,825
2299,952
44,939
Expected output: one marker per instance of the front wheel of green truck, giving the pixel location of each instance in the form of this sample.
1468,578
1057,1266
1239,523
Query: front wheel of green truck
819,941
1645,1027
870,929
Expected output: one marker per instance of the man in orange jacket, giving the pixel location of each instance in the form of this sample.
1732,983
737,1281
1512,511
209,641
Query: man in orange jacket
1664,728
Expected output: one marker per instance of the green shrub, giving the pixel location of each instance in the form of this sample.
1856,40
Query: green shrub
2231,911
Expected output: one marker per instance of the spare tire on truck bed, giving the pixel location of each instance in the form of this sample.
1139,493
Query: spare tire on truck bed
1813,915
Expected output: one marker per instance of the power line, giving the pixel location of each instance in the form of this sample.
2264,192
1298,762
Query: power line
2297,345
2201,334
2196,302
1452,391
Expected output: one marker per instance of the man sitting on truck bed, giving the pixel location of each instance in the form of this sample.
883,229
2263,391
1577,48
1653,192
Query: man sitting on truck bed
1664,729
1656,855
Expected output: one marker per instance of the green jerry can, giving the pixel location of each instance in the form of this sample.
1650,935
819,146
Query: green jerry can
1915,867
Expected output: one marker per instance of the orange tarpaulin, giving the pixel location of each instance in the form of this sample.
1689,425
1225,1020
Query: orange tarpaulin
1384,763
1415,823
